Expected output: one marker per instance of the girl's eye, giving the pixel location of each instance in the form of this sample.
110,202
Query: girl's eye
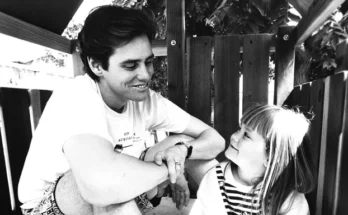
246,135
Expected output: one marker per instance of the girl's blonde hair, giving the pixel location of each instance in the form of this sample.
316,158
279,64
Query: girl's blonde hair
290,167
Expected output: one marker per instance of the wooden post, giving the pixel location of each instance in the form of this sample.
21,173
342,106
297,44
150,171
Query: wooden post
284,65
77,62
176,51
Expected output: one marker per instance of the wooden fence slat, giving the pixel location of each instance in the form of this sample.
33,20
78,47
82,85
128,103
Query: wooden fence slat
226,85
255,68
284,65
316,106
176,51
331,128
199,81
342,206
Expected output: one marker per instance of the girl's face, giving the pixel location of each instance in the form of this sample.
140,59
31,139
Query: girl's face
247,149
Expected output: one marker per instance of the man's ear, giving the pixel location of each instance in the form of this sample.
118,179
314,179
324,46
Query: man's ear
95,66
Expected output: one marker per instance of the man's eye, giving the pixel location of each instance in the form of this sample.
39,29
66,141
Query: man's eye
130,66
149,62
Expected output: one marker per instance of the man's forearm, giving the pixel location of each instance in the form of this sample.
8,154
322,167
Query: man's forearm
207,145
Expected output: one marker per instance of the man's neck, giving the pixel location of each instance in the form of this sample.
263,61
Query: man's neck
110,100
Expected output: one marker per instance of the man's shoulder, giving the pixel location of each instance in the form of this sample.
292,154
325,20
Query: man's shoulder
78,84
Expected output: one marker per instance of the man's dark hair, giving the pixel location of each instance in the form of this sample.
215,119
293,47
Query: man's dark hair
109,27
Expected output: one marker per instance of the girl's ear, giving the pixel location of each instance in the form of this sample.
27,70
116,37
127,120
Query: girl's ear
95,66
265,163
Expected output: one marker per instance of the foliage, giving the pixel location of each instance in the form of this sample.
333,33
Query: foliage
322,45
72,31
236,17
160,76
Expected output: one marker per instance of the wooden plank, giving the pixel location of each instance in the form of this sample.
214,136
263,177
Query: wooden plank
199,68
176,51
25,31
331,129
316,105
11,192
255,68
284,65
34,108
342,206
342,56
25,77
317,14
226,85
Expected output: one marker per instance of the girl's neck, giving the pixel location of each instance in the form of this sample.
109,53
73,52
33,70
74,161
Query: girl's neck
248,178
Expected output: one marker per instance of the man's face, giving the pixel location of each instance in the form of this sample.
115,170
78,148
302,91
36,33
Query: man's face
129,74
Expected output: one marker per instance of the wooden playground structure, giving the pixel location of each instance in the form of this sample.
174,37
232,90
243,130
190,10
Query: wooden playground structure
190,75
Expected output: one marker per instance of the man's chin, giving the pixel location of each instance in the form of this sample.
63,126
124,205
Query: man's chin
140,97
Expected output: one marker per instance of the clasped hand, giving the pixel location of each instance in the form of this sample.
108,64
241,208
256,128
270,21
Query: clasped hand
174,157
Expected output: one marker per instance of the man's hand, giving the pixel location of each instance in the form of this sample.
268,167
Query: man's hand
180,192
175,159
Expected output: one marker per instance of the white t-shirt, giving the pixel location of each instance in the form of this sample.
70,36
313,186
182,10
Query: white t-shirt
211,201
77,108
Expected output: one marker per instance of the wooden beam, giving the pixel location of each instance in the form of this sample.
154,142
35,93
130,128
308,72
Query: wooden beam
284,65
317,14
16,28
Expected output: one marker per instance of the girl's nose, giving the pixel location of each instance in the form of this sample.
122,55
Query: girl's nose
234,137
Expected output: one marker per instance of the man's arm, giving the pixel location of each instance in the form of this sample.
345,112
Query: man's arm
105,177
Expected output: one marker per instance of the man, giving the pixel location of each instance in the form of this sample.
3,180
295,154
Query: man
84,156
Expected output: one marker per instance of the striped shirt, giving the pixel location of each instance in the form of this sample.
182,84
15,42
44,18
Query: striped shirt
237,201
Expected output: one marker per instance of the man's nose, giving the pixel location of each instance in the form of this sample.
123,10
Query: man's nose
144,73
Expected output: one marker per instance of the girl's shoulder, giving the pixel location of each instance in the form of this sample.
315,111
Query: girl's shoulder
296,203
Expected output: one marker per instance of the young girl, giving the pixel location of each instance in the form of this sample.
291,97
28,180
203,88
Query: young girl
267,168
